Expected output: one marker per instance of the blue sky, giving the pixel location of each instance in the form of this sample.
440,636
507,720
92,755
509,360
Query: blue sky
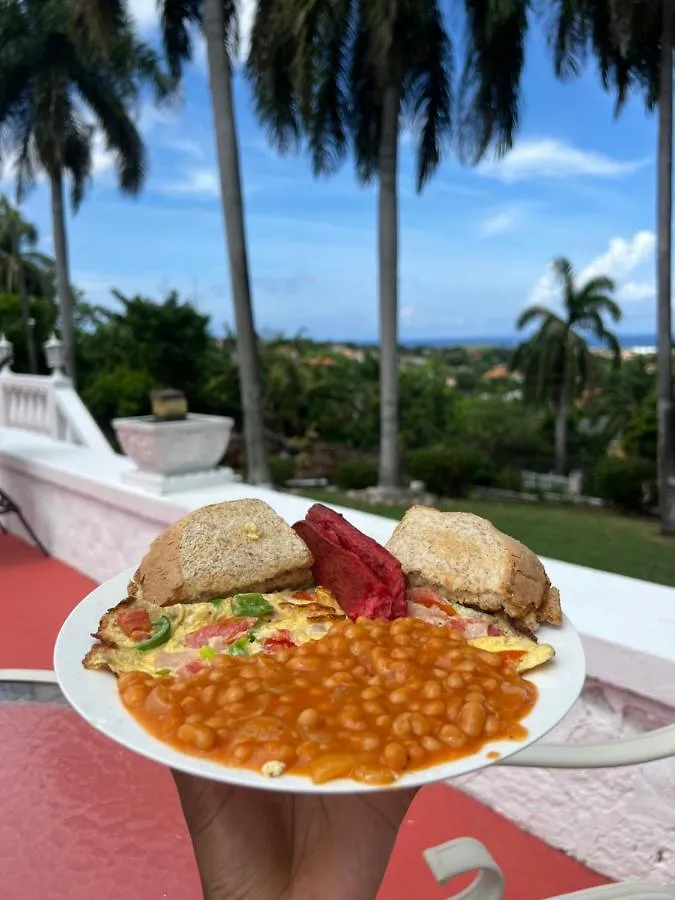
474,247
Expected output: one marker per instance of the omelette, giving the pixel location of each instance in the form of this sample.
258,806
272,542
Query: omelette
493,632
180,639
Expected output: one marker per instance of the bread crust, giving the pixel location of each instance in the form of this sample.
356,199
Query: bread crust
220,550
474,563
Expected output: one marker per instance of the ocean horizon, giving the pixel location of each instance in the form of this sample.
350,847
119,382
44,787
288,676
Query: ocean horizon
627,341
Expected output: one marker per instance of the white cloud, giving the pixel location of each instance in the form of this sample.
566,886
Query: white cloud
500,222
408,313
634,291
197,182
550,158
621,259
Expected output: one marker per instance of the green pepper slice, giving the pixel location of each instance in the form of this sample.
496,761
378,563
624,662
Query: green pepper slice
239,648
161,632
207,652
251,605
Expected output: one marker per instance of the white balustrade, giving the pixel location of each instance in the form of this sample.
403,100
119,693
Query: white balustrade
48,404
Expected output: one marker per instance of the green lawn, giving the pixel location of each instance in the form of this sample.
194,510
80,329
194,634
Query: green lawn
588,537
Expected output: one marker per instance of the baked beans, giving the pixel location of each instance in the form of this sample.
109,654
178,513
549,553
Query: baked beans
419,696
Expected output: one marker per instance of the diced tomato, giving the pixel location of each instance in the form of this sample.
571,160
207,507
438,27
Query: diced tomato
282,640
227,630
135,623
303,595
191,668
427,597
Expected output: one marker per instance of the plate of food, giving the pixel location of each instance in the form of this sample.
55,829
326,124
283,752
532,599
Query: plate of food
310,658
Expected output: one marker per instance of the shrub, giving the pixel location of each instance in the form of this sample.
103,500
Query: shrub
448,470
509,479
355,475
629,483
282,469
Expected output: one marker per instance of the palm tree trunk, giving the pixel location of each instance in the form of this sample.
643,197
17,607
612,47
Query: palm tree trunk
63,272
220,81
389,474
26,324
666,450
561,419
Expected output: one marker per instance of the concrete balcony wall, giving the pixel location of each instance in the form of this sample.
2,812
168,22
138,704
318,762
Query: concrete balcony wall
620,822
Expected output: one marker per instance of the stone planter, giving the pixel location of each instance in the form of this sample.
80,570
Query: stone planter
175,456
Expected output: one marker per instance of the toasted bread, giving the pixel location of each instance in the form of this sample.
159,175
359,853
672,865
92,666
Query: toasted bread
220,550
466,559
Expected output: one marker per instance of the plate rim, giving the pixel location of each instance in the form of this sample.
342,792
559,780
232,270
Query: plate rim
69,671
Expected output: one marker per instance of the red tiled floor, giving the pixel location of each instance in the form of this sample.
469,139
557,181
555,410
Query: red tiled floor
36,595
57,843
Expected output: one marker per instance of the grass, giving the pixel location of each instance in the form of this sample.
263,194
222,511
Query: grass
588,537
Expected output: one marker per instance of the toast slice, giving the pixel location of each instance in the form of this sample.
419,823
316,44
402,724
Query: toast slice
466,559
221,550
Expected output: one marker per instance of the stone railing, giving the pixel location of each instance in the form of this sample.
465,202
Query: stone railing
49,405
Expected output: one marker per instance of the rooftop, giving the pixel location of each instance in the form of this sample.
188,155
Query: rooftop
52,827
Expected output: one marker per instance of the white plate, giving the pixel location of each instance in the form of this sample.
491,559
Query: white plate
94,696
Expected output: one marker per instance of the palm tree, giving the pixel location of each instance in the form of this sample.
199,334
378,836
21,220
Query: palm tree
346,76
22,267
55,90
555,361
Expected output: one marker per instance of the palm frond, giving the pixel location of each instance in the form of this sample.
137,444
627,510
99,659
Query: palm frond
76,159
427,93
489,91
562,269
177,19
118,128
532,314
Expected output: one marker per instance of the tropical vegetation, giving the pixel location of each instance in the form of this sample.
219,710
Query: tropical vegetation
555,360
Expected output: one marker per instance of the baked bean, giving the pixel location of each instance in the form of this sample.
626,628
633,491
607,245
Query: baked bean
359,672
216,722
217,676
231,694
373,708
253,686
489,685
194,719
415,752
466,665
399,696
454,682
430,743
419,724
452,708
434,708
189,704
134,695
308,718
248,672
395,756
127,679
201,737
492,725
452,736
402,653
276,750
208,693
242,752
308,750
475,696
370,774
431,690
303,664
401,724
179,687
159,702
354,632
383,722
491,659
366,741
471,719
371,693
350,717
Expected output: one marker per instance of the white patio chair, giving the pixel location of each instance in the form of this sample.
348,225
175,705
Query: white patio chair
465,855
